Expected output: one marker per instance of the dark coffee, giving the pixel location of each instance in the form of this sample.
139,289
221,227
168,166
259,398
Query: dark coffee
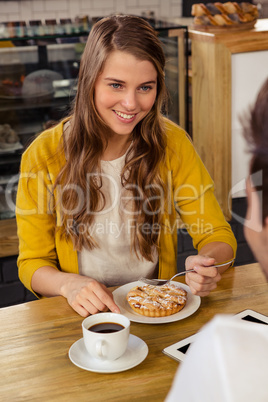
106,327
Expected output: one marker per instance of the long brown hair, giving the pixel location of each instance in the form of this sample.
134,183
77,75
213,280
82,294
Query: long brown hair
89,135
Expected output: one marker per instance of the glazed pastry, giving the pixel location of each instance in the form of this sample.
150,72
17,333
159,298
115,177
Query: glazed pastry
213,9
212,21
204,20
220,7
222,19
224,14
249,17
157,301
199,9
232,7
248,7
235,18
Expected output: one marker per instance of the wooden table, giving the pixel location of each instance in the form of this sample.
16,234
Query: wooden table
36,336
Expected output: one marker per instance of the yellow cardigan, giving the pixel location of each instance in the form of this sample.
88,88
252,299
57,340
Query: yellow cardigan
190,193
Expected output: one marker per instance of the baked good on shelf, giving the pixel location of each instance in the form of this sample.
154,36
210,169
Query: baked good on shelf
250,9
232,7
10,87
157,301
8,137
220,7
213,9
200,9
224,14
222,19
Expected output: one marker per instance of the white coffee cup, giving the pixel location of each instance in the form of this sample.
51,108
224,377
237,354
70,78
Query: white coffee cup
108,345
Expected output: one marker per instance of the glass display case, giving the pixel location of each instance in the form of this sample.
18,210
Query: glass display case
37,85
38,76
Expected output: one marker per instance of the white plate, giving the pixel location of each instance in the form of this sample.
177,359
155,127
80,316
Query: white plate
192,304
136,352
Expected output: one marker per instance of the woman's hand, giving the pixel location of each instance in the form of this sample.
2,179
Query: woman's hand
87,296
205,278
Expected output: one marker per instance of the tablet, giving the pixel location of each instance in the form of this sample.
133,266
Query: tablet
178,350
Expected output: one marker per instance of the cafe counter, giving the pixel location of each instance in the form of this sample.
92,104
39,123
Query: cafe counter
228,69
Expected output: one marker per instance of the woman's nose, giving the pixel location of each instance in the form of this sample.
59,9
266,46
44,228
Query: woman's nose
129,101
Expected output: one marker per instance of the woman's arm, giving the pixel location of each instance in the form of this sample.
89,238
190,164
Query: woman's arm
205,278
202,216
85,295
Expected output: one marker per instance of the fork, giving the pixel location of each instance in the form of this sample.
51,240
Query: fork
160,282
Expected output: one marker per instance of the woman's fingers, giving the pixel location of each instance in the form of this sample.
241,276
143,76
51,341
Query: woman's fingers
88,296
205,277
198,261
80,310
205,274
102,298
201,286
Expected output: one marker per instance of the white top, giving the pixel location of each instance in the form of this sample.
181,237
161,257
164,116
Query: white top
113,263
228,362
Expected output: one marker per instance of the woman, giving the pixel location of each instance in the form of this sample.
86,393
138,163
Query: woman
98,193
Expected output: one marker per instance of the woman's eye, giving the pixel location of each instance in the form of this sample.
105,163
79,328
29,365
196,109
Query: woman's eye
145,88
115,85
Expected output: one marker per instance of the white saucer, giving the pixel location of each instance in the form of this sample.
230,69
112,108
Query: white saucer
136,352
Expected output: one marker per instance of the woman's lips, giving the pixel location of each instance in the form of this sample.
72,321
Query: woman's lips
125,117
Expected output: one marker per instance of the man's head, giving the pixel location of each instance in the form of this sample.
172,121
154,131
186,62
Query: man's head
256,224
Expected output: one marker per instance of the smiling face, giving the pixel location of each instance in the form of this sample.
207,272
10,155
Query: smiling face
125,91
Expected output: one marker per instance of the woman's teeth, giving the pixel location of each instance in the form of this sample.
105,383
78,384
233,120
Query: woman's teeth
125,116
